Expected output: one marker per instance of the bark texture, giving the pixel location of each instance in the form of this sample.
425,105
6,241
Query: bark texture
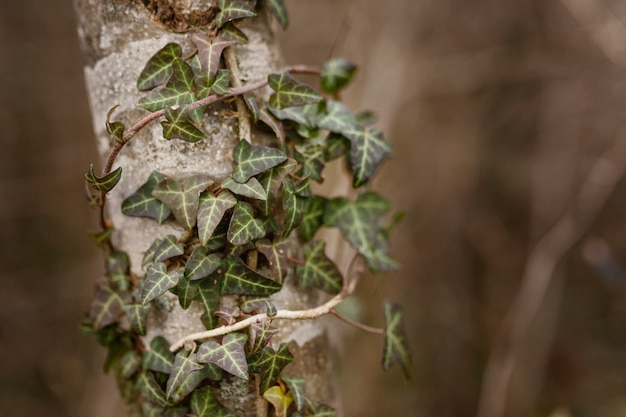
118,37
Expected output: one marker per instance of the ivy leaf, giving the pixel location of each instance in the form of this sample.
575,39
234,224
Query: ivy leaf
336,147
148,256
271,181
105,183
177,91
241,280
182,198
211,211
336,74
296,388
229,356
208,295
280,400
318,271
129,364
254,159
159,68
232,33
396,348
313,217
189,384
183,366
158,358
210,53
186,291
143,204
244,228
276,253
114,129
251,188
293,205
289,92
269,364
228,314
233,9
106,307
158,281
168,248
337,119
278,9
150,389
367,150
257,304
205,404
175,411
221,83
277,127
311,160
117,268
260,335
138,317
319,409
201,264
178,126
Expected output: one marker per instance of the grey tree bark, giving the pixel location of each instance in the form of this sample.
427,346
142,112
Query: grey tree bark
117,38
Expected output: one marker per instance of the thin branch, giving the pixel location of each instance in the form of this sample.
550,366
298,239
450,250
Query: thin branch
243,115
376,330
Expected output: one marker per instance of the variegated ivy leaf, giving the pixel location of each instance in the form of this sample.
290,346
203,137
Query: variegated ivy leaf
143,204
337,118
159,67
360,225
229,355
313,217
228,314
129,364
182,197
201,264
260,335
254,159
289,92
209,296
105,183
205,404
184,364
221,83
231,32
209,54
311,158
241,280
138,317
168,248
114,129
396,349
251,188
367,150
158,281
271,181
106,307
189,384
158,358
178,126
147,385
269,364
148,256
276,253
278,9
296,388
303,115
293,205
318,271
211,211
233,9
281,401
186,291
258,304
244,228
336,74
176,92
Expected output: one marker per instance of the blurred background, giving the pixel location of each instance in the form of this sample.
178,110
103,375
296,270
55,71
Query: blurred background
499,112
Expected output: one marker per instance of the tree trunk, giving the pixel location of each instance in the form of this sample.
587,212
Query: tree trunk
118,37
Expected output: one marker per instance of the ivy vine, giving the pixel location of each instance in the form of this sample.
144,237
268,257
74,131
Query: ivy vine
243,231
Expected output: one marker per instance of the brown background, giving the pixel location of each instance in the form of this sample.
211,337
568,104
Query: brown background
496,111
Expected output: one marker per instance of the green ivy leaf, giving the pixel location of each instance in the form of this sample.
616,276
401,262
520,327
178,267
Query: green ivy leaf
269,364
313,217
208,295
233,9
189,384
221,83
336,74
251,188
186,291
318,410
143,204
280,400
148,256
210,53
177,91
228,314
148,386
311,158
168,248
293,205
260,335
205,404
289,92
296,388
232,33
367,150
138,317
254,159
183,365
276,253
244,228
241,280
106,307
201,264
229,356
158,358
159,67
278,9
178,126
337,119
118,268
158,281
271,181
396,349
114,129
129,364
182,197
211,212
257,304
105,183
175,411
318,271
336,147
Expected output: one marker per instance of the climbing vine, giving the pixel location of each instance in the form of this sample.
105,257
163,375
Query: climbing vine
246,234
